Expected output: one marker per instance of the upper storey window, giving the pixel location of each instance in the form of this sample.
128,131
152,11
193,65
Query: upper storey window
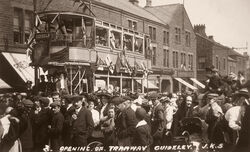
177,35
69,30
152,33
132,24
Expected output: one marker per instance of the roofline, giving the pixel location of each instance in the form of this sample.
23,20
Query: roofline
178,4
122,11
218,44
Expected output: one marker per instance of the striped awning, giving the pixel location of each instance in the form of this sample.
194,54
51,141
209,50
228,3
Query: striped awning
198,83
186,83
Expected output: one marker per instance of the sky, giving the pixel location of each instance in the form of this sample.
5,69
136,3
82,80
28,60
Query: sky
227,20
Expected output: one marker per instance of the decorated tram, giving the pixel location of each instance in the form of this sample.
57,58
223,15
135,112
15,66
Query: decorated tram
88,53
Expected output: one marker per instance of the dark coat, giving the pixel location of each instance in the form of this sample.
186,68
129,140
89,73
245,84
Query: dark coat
56,131
158,124
243,144
82,127
129,122
41,121
215,128
67,127
26,135
142,136
8,141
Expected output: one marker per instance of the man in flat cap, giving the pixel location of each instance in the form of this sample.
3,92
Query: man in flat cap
158,121
67,111
128,122
142,136
41,121
26,136
214,119
55,129
82,124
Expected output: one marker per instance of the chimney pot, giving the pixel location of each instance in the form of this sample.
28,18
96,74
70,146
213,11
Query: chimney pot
148,3
135,2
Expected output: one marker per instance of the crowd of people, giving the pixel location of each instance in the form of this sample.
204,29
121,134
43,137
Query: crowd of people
29,123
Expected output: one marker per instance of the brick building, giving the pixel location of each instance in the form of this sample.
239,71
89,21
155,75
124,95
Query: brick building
210,52
122,28
15,25
180,48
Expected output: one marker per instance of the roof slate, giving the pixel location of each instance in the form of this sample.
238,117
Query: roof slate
164,12
69,5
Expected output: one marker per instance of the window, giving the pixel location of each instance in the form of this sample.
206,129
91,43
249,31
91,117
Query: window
190,62
132,25
115,40
154,56
183,61
202,63
175,59
166,38
152,33
27,24
188,38
17,24
166,58
224,63
138,45
217,62
101,36
177,35
75,31
128,42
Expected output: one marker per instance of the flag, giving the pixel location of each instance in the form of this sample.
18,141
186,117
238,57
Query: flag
118,64
112,39
110,64
145,70
38,21
31,42
136,67
128,67
99,63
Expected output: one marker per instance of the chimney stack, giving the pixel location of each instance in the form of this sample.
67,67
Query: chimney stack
201,29
148,3
211,37
135,2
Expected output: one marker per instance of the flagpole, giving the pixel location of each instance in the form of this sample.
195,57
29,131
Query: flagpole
108,80
132,83
121,84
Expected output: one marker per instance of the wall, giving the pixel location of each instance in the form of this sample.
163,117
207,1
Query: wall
6,20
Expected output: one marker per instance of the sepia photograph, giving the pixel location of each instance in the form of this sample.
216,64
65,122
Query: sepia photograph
124,76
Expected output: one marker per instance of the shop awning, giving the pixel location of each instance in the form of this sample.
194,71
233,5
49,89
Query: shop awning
149,84
186,84
4,85
20,64
198,82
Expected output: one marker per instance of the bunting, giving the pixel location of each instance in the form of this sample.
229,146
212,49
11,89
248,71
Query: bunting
118,64
136,67
110,64
100,63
